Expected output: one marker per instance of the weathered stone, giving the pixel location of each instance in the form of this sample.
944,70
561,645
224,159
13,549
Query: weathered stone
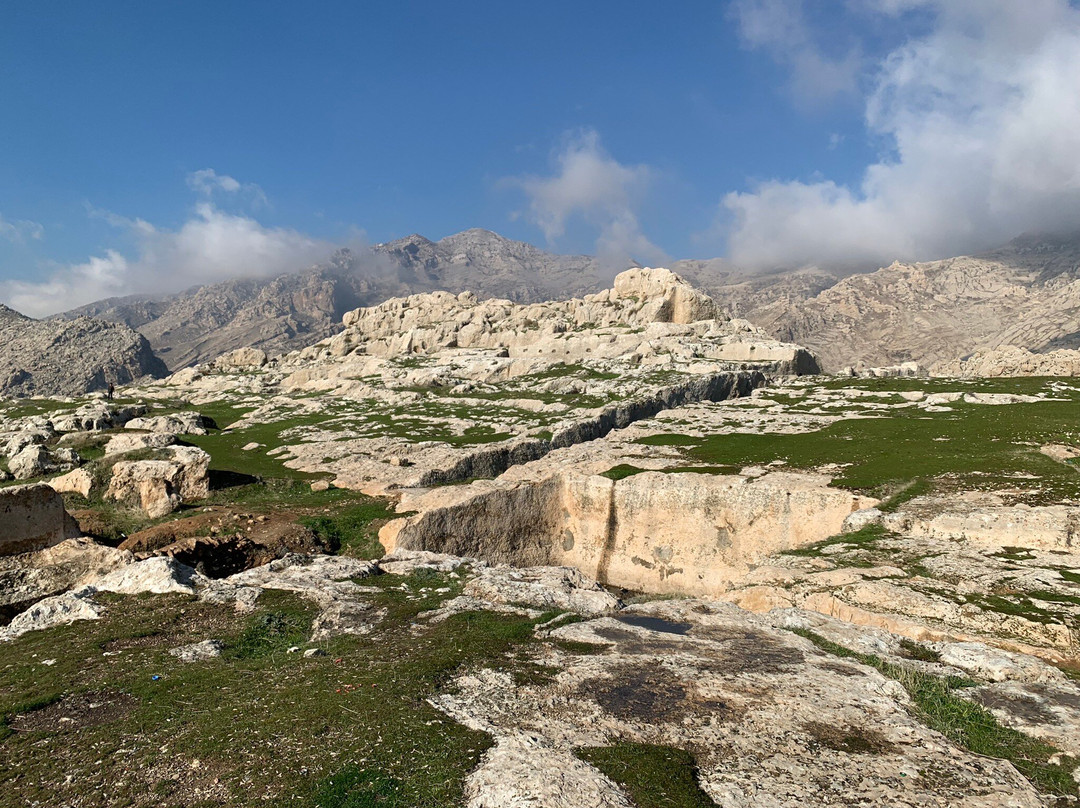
118,444
78,481
29,577
161,486
32,517
36,461
679,533
542,587
199,651
241,359
54,611
155,575
181,423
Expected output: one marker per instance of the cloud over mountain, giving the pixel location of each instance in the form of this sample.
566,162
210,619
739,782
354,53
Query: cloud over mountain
212,245
980,114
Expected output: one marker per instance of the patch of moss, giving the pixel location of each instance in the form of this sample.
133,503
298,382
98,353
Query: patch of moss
621,472
652,776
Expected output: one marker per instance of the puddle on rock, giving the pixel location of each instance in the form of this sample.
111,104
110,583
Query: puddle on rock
654,623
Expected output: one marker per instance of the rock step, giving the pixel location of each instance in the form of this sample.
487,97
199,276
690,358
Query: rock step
492,462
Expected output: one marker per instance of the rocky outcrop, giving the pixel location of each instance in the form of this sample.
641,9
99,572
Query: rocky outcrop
161,486
987,520
32,517
133,442
241,359
290,311
653,532
1010,360
181,423
650,316
771,720
29,577
54,358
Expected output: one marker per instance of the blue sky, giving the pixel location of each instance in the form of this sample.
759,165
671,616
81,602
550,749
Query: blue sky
147,146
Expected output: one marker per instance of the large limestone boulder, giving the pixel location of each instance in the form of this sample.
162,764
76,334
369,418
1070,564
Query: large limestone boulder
96,416
651,532
241,359
180,423
78,481
131,442
24,438
37,461
28,577
668,298
161,486
33,517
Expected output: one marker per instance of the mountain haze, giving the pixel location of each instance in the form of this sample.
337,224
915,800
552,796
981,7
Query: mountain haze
1026,293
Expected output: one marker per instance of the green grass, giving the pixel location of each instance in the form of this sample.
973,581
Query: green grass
349,530
352,728
652,776
273,632
621,472
668,440
970,725
976,446
227,453
863,539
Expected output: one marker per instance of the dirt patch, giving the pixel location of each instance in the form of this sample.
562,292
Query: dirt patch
850,740
652,694
75,712
1027,707
222,542
154,538
749,651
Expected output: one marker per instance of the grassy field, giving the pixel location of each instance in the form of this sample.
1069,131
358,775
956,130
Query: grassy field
258,726
971,447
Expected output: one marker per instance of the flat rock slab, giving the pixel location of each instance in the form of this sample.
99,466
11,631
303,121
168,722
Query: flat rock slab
772,720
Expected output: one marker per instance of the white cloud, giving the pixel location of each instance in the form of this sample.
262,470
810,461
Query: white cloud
207,182
590,184
19,231
209,247
984,113
780,28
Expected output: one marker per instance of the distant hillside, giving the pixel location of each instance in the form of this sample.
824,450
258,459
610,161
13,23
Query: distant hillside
68,358
292,310
1026,294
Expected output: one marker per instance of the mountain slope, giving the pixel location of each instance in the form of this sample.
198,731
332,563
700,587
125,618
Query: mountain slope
1026,293
289,311
68,358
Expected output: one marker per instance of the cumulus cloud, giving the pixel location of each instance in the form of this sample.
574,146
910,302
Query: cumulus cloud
982,111
780,28
209,247
590,184
19,231
207,182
